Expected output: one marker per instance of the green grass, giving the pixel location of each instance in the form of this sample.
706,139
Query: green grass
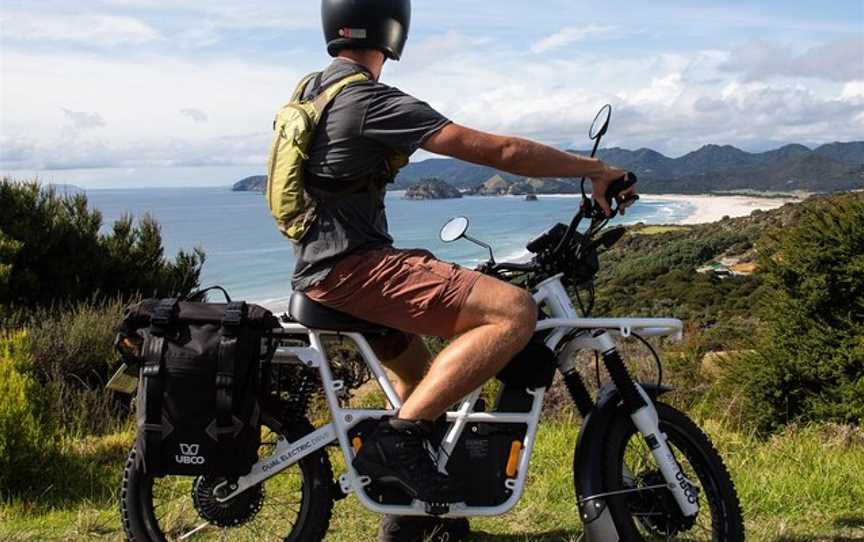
656,230
805,484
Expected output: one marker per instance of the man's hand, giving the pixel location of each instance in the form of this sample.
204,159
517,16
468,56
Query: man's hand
600,184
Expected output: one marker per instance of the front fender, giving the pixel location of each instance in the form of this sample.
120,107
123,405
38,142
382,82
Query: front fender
588,458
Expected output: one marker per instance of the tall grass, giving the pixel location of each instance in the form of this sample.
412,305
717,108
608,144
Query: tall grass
52,376
804,484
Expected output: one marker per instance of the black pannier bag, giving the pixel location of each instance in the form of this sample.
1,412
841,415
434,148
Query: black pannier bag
198,411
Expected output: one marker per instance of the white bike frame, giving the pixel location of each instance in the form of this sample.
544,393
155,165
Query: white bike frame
564,318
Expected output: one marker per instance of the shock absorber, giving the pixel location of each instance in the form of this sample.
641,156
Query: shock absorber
647,422
614,363
578,392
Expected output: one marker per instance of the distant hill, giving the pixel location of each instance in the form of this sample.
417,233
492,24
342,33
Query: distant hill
852,152
831,167
256,183
809,173
712,168
432,189
499,186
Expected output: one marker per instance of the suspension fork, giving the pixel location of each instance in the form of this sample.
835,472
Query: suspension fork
647,422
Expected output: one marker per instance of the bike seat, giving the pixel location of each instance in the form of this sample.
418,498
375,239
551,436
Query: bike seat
317,316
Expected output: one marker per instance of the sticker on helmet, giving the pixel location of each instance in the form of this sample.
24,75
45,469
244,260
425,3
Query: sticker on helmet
355,33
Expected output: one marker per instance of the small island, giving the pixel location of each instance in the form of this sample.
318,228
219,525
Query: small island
432,188
256,183
499,186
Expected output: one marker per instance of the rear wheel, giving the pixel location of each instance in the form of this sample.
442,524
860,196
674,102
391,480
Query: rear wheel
653,514
293,506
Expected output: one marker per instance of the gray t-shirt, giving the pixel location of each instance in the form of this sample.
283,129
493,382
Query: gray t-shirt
362,128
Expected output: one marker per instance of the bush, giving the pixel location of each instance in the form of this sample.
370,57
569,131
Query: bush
809,363
71,355
52,251
24,435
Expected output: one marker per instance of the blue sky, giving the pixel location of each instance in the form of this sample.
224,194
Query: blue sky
123,93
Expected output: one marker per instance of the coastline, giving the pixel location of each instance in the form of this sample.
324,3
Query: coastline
711,208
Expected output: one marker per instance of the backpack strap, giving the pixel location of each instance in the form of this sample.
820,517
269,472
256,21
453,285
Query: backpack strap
301,87
300,90
327,95
235,317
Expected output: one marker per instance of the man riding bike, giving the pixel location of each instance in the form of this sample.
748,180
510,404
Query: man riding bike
346,260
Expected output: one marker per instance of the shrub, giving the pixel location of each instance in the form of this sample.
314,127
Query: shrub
810,360
71,354
52,251
24,436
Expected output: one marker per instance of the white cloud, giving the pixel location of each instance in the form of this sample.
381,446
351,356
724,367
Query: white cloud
82,120
195,114
840,60
853,91
89,30
568,35
673,103
172,90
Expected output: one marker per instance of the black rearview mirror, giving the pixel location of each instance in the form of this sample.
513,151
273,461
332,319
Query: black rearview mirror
454,229
601,123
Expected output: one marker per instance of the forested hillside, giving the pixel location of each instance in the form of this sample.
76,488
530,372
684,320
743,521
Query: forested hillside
712,168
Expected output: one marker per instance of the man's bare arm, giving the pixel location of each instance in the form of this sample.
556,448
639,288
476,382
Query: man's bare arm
521,157
512,154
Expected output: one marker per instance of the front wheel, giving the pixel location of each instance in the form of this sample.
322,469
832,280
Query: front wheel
293,506
653,514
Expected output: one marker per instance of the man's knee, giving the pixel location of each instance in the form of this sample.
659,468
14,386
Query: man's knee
500,304
517,311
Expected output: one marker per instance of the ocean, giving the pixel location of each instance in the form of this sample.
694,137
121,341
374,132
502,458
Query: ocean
248,256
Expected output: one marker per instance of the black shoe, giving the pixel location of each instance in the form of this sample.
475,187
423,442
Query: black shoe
396,453
422,529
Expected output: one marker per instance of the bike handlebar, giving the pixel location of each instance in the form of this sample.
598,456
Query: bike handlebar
614,190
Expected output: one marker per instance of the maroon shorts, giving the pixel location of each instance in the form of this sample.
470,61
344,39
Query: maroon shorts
407,290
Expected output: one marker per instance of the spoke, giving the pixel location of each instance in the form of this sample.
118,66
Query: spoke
194,531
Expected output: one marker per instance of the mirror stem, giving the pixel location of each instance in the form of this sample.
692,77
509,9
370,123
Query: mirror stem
482,244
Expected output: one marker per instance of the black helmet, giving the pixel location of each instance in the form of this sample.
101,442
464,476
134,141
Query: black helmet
366,24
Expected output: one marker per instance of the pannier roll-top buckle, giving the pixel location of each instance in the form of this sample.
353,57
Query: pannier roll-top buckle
235,315
224,381
163,317
153,350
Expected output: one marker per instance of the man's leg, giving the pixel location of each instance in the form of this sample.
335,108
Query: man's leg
408,358
414,292
409,362
496,322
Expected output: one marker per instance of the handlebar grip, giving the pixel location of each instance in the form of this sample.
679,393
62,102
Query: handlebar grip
619,185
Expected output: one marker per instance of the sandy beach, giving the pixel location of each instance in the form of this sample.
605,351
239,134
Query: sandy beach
710,208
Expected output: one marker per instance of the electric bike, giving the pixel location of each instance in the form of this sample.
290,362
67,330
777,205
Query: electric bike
642,470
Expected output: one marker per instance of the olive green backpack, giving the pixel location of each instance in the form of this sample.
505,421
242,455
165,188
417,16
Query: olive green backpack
295,125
